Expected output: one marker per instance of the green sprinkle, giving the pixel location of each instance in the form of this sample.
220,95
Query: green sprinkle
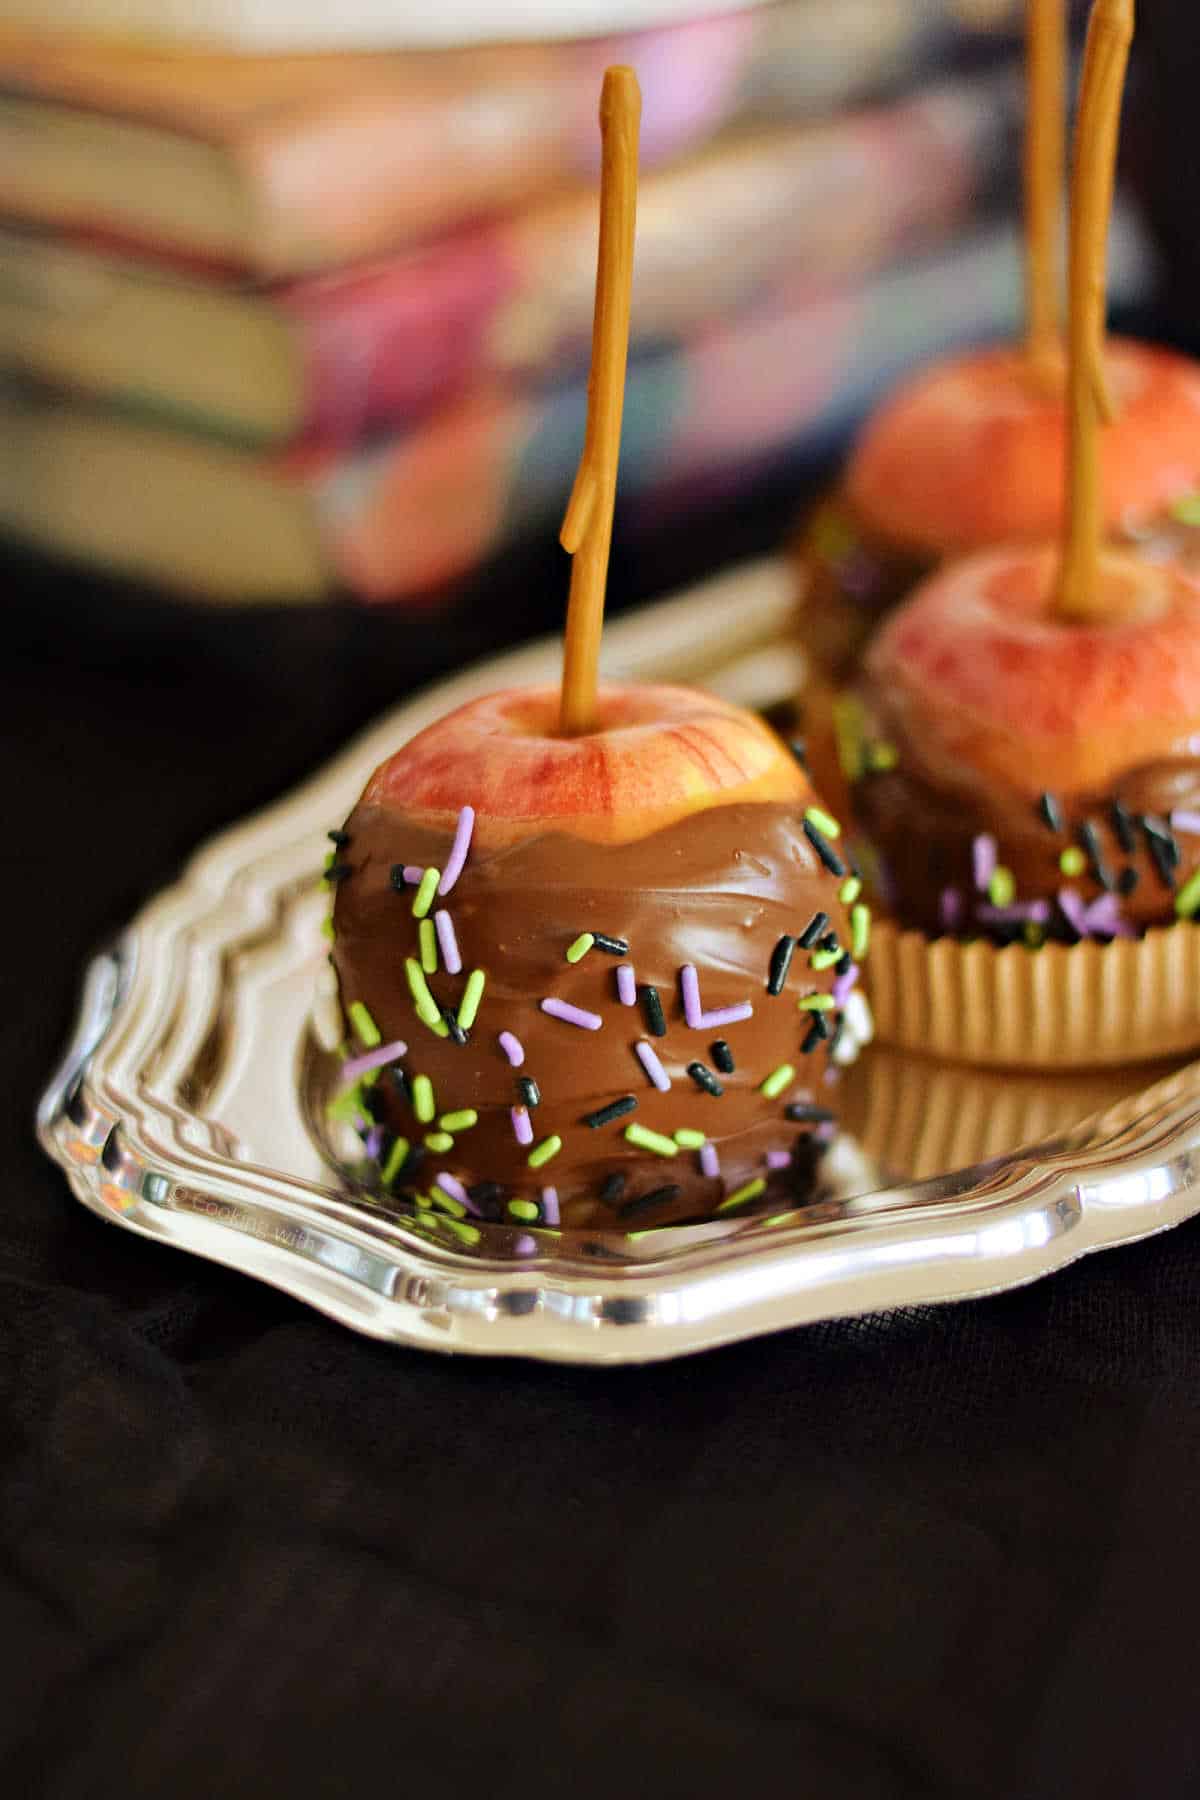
1186,510
882,757
824,822
777,1080
427,938
848,732
545,1152
1188,897
441,1029
1072,861
1002,888
346,1105
472,995
447,1202
327,927
579,949
441,1141
423,1200
816,1003
427,888
395,1161
860,930
824,959
849,891
365,1025
466,1234
1034,935
423,1000
687,1139
423,1101
751,1191
459,1121
525,1210
645,1139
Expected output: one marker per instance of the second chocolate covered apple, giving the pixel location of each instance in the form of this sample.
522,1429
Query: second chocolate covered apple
595,980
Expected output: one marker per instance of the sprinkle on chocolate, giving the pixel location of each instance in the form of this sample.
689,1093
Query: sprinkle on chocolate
626,984
613,1188
803,1112
572,1015
799,749
1050,812
823,848
396,877
604,1115
1072,862
816,1034
722,1055
1089,838
645,1139
1160,856
1187,900
451,1022
657,1197
394,1161
705,1079
777,1080
1122,825
813,930
472,995
656,1023
338,871
530,1092
649,1058
513,1048
614,946
579,947
1127,880
781,959
750,1191
545,1152
339,838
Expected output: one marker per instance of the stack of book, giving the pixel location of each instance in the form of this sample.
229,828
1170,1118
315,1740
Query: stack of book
277,324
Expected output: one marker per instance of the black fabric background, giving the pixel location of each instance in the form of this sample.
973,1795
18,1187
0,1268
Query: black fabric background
243,1552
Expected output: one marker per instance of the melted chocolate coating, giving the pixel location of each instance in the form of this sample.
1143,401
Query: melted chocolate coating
718,890
851,577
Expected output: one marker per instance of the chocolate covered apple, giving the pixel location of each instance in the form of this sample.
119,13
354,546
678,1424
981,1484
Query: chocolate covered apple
596,947
971,452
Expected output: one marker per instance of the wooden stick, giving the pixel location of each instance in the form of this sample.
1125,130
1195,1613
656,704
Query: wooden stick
1045,170
1110,32
587,528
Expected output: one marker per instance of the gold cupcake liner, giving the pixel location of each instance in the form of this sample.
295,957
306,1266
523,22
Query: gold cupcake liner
1065,1006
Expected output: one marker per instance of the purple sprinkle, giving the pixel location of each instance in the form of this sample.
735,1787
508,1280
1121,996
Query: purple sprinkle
710,1162
447,941
572,1015
648,1057
458,850
725,1015
1033,912
550,1212
778,1159
522,1129
843,983
412,874
513,1048
825,1132
1104,916
950,908
626,984
1074,911
524,1245
983,859
1182,820
689,984
373,1142
450,1184
373,1059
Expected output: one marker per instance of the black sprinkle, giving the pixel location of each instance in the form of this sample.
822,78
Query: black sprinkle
1127,880
1160,857
616,1109
722,1055
824,849
781,959
1091,843
813,930
1123,826
803,1112
614,1187
656,1023
399,1081
530,1092
457,1034
340,838
644,1202
396,877
375,1102
412,1162
614,945
818,1031
1051,812
845,962
338,872
829,941
838,1030
485,1193
799,749
704,1078
1157,832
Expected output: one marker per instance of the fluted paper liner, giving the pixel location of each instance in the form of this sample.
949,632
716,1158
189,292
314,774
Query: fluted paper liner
1065,1006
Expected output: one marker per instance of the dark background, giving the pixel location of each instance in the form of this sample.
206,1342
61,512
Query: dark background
244,1552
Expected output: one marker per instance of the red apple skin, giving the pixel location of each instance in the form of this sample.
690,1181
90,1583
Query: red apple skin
972,452
659,753
983,678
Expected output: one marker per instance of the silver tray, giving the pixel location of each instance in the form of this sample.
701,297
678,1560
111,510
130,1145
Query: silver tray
187,1106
